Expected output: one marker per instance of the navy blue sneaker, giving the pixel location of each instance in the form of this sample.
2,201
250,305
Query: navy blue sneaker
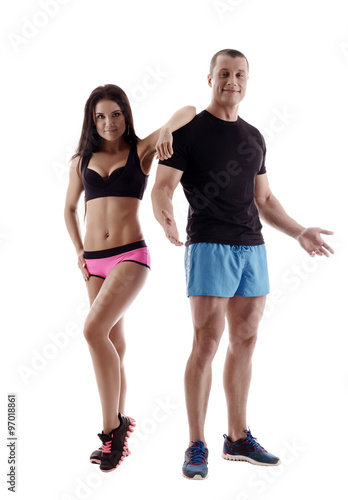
196,461
248,450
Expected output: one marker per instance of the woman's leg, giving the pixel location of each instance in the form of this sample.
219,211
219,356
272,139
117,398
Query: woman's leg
118,339
116,336
116,293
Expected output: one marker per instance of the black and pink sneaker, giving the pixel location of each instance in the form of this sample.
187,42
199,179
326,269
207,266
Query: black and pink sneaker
97,454
114,447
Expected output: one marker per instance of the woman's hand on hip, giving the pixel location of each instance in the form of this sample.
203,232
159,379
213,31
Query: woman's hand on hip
81,263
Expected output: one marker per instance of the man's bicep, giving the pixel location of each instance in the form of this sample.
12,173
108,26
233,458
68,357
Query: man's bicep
262,190
167,178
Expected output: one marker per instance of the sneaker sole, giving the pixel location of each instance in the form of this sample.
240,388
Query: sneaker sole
125,452
197,476
242,458
97,460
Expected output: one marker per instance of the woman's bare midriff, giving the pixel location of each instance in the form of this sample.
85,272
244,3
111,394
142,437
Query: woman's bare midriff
112,222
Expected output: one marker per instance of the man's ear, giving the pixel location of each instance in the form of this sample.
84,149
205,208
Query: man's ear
209,77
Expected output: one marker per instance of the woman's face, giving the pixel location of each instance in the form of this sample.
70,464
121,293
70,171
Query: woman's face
109,120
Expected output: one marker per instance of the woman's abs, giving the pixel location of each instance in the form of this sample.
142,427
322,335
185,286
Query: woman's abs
111,223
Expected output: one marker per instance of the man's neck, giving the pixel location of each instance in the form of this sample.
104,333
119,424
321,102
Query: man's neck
227,114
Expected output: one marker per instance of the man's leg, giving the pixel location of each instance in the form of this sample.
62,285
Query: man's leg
243,315
208,316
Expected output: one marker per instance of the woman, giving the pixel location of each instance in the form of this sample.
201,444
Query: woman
112,165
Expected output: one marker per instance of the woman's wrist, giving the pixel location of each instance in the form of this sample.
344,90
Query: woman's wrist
166,128
79,251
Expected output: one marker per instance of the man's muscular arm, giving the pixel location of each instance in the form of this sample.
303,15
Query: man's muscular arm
167,179
274,214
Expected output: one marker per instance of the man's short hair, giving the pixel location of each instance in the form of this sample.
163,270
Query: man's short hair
225,52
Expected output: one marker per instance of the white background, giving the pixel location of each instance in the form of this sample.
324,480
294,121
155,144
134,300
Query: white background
298,55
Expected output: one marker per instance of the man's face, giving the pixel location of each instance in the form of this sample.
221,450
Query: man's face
229,80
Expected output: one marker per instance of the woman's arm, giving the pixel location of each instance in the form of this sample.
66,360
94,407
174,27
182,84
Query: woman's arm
73,194
163,145
160,141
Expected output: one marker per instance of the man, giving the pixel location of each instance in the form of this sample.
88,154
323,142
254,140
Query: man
220,161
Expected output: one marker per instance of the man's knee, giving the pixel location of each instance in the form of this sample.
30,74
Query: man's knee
204,348
243,343
243,334
245,326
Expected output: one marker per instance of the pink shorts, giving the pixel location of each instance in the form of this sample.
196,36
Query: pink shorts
100,263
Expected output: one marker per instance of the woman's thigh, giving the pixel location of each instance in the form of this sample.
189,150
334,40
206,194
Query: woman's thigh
93,284
116,294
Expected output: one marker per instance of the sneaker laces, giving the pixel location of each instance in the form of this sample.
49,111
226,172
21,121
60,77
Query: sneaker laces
253,441
107,446
197,453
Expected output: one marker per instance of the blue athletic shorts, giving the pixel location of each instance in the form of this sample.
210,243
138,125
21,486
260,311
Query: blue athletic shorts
226,270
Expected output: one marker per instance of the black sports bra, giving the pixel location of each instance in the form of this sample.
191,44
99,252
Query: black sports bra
128,181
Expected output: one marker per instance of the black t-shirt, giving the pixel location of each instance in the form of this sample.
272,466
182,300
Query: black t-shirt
220,160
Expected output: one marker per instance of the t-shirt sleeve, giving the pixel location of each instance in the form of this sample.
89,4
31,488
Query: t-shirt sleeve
181,148
263,166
